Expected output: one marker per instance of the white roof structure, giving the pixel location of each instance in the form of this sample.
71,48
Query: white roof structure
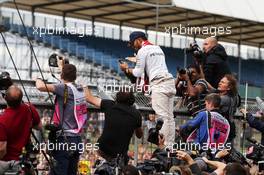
244,18
242,9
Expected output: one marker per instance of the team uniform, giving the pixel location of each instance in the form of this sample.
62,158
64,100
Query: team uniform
151,61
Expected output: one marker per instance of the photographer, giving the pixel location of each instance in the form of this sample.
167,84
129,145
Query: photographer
121,121
15,124
196,89
69,117
230,100
208,127
215,65
151,63
254,123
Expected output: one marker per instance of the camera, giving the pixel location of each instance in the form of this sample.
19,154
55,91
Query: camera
236,156
53,128
196,52
261,166
255,151
162,161
154,132
150,167
110,167
193,48
105,168
53,62
121,61
184,71
5,81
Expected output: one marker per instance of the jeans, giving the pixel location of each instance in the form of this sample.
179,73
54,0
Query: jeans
162,99
66,161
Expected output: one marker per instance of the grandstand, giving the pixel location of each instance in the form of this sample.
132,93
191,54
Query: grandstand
105,43
106,52
109,23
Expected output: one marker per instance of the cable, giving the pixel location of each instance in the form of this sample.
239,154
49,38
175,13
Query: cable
49,96
23,87
37,62
34,54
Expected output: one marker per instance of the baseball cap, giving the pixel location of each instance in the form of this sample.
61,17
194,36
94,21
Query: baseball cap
134,35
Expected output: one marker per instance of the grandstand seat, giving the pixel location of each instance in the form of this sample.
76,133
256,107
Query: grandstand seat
106,52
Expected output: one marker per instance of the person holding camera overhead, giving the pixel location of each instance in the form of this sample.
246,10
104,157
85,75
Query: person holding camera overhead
15,124
151,62
215,65
69,117
196,88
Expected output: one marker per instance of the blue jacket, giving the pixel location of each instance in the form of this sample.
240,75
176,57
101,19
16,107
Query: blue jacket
200,121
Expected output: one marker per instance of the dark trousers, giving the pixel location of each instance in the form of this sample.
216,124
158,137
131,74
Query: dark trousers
66,161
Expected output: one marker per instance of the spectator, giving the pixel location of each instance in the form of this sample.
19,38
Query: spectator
193,166
69,117
235,169
121,121
219,166
15,124
215,66
130,170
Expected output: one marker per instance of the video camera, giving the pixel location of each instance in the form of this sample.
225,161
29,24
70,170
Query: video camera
53,62
5,81
255,151
161,163
150,167
154,132
196,52
236,156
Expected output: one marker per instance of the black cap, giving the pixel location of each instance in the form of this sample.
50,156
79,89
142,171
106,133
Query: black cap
134,35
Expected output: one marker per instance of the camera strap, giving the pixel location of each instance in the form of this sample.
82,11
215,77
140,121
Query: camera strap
209,116
65,100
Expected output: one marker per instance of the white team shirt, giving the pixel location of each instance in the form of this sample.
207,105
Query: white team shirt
152,59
